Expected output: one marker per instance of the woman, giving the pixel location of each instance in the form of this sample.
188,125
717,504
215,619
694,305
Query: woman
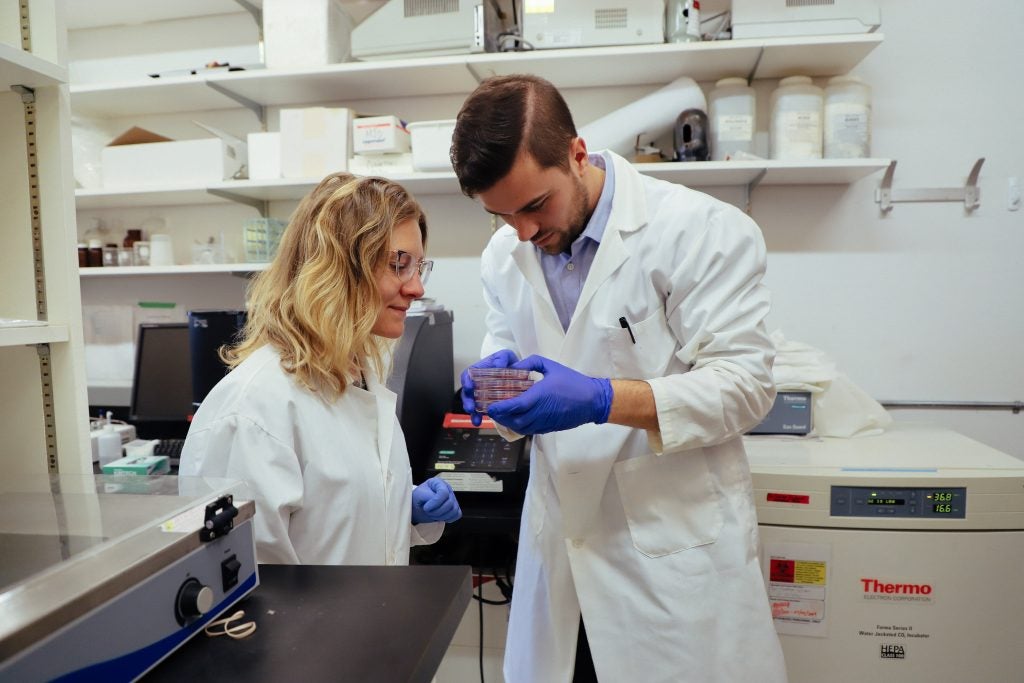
304,417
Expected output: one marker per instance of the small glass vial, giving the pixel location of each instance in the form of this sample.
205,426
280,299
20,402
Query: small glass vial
140,252
110,255
94,255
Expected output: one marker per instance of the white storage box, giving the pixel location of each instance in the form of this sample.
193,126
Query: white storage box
431,145
379,135
303,33
264,155
380,164
183,162
315,141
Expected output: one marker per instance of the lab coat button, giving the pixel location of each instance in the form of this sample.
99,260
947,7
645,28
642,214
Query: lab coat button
577,543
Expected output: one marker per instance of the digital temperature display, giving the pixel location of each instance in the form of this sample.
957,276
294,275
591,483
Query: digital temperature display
887,502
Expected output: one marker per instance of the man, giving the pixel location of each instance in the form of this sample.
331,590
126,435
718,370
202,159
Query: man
639,535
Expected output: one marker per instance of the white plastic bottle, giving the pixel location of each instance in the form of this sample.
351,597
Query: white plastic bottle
796,120
682,21
847,133
109,445
732,106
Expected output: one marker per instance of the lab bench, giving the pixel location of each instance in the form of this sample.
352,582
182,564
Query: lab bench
334,623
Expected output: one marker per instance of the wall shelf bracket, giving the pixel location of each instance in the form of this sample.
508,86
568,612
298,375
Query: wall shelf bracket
258,109
748,189
260,205
969,194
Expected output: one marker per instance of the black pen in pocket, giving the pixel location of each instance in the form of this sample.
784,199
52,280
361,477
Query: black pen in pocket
624,324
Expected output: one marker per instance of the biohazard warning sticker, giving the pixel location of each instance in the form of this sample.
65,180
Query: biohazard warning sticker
797,578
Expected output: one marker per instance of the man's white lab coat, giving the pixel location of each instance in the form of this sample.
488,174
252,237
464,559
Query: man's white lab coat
653,536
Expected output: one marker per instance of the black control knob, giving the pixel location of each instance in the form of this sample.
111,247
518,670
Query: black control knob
193,601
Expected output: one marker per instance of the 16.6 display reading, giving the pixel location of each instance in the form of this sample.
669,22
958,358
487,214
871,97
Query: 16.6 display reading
942,502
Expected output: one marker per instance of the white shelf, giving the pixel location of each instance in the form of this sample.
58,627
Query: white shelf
124,271
35,334
95,13
570,68
18,67
734,173
692,174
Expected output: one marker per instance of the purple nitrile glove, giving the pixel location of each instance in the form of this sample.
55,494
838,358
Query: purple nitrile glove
434,501
562,400
498,359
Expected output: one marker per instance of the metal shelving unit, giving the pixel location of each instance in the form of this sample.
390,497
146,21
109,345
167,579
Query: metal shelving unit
43,406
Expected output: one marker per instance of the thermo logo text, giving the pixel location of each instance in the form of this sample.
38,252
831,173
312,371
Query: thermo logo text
876,586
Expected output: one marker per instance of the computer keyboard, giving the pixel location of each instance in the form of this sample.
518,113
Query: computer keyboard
171,448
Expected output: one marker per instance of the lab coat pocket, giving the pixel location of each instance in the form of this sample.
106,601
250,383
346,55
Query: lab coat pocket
669,502
648,352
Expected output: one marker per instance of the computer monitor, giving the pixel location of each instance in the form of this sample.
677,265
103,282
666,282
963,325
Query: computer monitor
162,383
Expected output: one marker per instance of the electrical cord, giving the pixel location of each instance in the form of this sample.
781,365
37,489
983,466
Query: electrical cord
238,631
480,606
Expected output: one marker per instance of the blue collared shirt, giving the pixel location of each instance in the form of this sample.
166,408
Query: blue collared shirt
566,273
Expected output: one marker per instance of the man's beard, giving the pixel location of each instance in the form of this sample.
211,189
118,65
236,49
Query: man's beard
578,220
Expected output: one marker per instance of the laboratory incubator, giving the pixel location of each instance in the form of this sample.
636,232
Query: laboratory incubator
102,577
894,557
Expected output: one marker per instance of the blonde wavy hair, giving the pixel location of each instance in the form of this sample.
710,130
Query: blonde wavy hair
318,300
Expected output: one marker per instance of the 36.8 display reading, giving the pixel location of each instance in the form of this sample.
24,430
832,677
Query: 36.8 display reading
942,502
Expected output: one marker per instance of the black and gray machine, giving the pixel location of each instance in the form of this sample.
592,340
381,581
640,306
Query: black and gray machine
103,577
488,474
208,331
422,375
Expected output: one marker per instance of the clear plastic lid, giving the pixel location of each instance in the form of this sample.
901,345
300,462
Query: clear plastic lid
51,521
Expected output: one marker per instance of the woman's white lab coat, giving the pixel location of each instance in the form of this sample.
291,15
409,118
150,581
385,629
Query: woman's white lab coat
653,536
331,480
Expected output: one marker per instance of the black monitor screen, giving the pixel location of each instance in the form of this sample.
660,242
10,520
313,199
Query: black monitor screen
162,384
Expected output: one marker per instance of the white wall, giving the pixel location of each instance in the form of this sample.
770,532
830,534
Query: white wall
922,304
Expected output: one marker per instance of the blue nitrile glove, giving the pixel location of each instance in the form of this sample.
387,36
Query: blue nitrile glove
498,359
562,400
434,501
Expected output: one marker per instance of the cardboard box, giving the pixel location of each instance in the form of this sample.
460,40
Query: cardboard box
303,33
139,465
431,145
264,156
380,135
315,141
139,158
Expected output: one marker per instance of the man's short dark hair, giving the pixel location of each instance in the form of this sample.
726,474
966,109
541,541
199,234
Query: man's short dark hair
503,115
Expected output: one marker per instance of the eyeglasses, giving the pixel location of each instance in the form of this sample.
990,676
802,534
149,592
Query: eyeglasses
404,265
